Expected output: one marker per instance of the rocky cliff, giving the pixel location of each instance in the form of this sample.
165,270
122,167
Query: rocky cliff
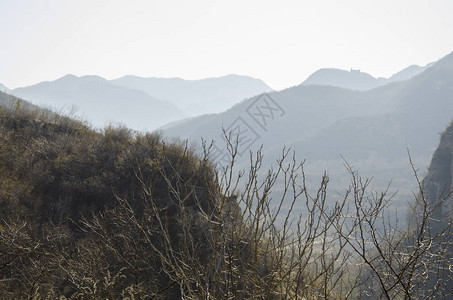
438,183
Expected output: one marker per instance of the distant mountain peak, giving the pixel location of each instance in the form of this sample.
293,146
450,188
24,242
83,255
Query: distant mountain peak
68,77
199,96
353,79
100,101
93,78
227,76
85,78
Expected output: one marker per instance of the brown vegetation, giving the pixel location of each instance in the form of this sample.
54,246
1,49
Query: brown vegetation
116,214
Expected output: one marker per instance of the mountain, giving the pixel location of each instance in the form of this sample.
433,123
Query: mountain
6,100
370,129
438,182
409,72
196,97
100,102
12,103
3,88
437,192
117,212
356,80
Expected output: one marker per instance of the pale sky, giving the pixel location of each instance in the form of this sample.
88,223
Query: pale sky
281,42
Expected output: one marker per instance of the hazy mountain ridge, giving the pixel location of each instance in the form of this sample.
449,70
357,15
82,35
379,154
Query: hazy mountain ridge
354,79
130,203
357,80
196,97
101,102
131,100
56,171
371,129
409,72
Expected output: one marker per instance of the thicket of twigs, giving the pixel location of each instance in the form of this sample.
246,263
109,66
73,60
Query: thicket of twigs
89,215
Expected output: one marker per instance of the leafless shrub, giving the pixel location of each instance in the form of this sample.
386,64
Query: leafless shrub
228,235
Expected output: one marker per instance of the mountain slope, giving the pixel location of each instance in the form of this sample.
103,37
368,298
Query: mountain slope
417,110
101,102
196,97
3,88
371,129
438,182
409,72
438,189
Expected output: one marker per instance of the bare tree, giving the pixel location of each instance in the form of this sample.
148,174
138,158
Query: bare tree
27,268
233,246
409,262
235,234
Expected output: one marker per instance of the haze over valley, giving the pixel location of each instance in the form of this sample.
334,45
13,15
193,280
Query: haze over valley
324,124
331,117
226,149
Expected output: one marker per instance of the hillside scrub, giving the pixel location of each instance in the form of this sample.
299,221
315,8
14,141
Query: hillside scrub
119,214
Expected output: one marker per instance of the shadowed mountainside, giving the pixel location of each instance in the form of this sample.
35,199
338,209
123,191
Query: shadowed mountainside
370,129
438,182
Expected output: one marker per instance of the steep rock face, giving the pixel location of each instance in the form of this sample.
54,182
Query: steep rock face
438,183
438,188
